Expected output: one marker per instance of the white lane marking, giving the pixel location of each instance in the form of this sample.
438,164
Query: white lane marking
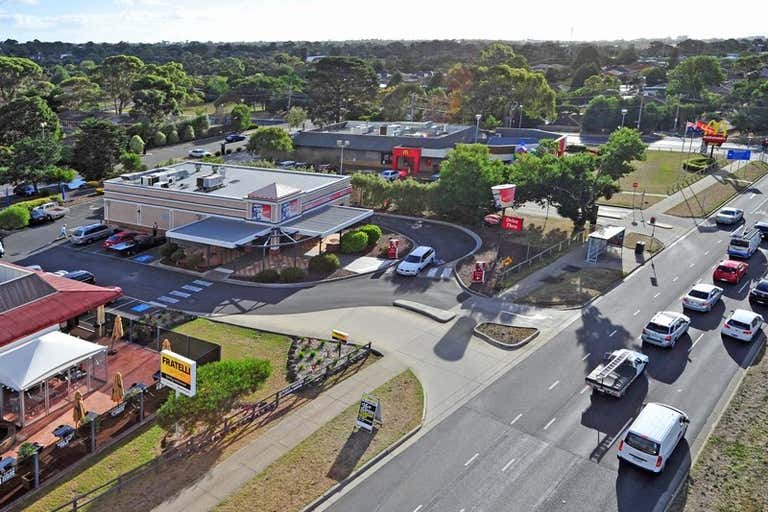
586,356
554,384
516,418
179,294
506,466
447,271
743,287
691,265
706,252
528,317
612,333
657,295
752,196
417,508
550,423
636,313
720,241
169,300
471,459
157,304
695,342
432,273
675,279
202,283
191,288
583,390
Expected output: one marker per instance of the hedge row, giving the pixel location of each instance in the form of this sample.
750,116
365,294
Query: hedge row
17,216
698,164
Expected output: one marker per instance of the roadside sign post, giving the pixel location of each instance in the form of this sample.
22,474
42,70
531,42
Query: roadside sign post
178,373
369,413
393,249
478,274
635,184
341,337
653,232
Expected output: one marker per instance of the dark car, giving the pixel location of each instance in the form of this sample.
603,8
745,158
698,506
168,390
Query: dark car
762,227
138,244
24,190
234,137
81,275
759,294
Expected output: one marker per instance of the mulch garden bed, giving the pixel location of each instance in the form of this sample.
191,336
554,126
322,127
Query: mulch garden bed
506,334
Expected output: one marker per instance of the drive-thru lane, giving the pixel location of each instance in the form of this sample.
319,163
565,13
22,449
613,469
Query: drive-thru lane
537,439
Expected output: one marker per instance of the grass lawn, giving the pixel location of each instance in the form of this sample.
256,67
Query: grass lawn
658,172
573,288
625,199
631,238
709,199
731,471
331,453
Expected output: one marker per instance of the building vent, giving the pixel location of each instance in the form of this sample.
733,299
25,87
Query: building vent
210,182
150,180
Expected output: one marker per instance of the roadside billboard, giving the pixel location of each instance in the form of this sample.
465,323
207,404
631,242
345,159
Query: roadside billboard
178,373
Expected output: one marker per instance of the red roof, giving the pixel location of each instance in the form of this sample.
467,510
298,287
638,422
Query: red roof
68,299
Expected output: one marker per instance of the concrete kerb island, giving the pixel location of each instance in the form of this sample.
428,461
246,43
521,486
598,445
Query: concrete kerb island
506,346
439,315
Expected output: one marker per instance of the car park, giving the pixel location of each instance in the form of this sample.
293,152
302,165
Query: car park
653,436
759,294
82,276
730,271
24,190
389,175
199,152
744,242
742,325
665,328
47,212
234,137
729,216
762,227
702,297
88,233
118,238
416,261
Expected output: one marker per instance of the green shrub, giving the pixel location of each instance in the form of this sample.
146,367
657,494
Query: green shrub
168,249
292,274
217,153
324,263
14,217
188,133
130,161
353,241
194,260
373,231
177,255
136,144
32,203
268,275
698,164
173,137
159,138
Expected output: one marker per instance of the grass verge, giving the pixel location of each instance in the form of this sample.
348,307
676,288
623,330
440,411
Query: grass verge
331,454
624,199
573,288
632,238
658,172
731,471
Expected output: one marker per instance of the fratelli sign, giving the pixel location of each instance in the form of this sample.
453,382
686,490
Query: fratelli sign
178,373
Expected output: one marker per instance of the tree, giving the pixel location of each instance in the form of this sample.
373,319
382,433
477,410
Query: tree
627,55
240,117
76,93
117,74
59,74
27,117
582,73
155,97
15,72
397,79
256,89
296,117
269,142
466,178
654,76
587,54
340,87
136,144
34,160
399,103
499,53
694,75
216,86
602,114
98,147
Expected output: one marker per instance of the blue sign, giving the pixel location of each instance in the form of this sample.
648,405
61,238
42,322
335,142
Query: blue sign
739,154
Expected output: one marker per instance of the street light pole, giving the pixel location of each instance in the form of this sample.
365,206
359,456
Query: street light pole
520,119
640,114
342,144
623,115
477,126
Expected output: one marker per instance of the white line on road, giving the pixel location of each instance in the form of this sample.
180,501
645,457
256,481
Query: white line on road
752,196
447,271
675,279
743,287
636,313
202,283
554,384
720,241
695,342
657,295
506,467
612,333
706,252
534,317
471,460
583,390
691,265
549,424
516,418
586,356
177,293
417,508
432,272
191,288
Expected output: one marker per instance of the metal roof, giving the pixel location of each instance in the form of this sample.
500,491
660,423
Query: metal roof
220,231
326,220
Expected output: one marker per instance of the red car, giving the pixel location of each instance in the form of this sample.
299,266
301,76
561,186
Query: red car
730,271
118,238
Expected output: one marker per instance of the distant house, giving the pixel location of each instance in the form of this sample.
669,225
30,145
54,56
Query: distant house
655,91
311,59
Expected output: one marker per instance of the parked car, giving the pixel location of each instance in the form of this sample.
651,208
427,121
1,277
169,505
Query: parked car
389,175
137,244
118,238
653,436
287,164
77,183
88,233
416,261
24,190
665,328
81,275
730,271
763,228
759,294
742,325
702,297
47,212
729,216
234,137
199,152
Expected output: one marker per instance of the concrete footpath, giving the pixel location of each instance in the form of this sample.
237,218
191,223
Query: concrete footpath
227,477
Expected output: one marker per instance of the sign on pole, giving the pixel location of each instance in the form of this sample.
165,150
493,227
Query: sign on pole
504,195
339,336
369,412
512,223
178,372
739,154
635,184
506,261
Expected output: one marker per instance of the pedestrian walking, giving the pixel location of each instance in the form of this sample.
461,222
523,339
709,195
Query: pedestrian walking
64,233
2,249
154,230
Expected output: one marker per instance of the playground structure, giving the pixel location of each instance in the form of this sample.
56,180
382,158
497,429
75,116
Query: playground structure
713,133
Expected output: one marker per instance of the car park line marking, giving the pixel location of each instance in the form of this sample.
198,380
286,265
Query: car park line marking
169,300
583,390
471,459
612,333
191,288
720,241
516,418
528,317
657,295
691,265
586,356
743,287
447,273
418,508
706,252
675,279
177,293
506,467
554,384
550,423
695,342
157,304
202,283
636,313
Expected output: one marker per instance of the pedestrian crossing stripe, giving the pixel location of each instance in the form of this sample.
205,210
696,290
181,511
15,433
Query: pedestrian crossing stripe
432,273
169,300
177,293
447,272
191,288
202,283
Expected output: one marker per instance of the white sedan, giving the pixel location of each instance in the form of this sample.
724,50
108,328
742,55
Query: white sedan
742,325
702,297
416,261
729,216
199,152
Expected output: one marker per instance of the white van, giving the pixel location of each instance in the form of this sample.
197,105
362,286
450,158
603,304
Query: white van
653,436
744,243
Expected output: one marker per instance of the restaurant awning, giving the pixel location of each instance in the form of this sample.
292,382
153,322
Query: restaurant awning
27,363
220,231
326,220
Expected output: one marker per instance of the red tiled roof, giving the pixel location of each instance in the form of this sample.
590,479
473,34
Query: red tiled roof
69,299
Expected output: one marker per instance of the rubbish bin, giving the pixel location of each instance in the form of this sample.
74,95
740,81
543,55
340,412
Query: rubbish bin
639,247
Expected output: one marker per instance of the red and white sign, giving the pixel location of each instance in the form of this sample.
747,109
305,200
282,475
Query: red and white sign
504,195
512,223
635,184
492,219
478,274
392,250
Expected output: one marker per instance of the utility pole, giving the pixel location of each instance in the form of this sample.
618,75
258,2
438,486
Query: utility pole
290,97
677,113
520,120
409,116
640,114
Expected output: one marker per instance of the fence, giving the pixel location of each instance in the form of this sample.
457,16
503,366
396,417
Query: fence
546,253
245,414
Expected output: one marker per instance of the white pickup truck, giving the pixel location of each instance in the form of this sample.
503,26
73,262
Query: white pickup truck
47,212
620,369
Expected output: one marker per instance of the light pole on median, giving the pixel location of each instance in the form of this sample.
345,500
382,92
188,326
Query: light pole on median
623,115
477,126
341,144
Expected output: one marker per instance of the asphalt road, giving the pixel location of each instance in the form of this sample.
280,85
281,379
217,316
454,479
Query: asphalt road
538,440
155,156
667,143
